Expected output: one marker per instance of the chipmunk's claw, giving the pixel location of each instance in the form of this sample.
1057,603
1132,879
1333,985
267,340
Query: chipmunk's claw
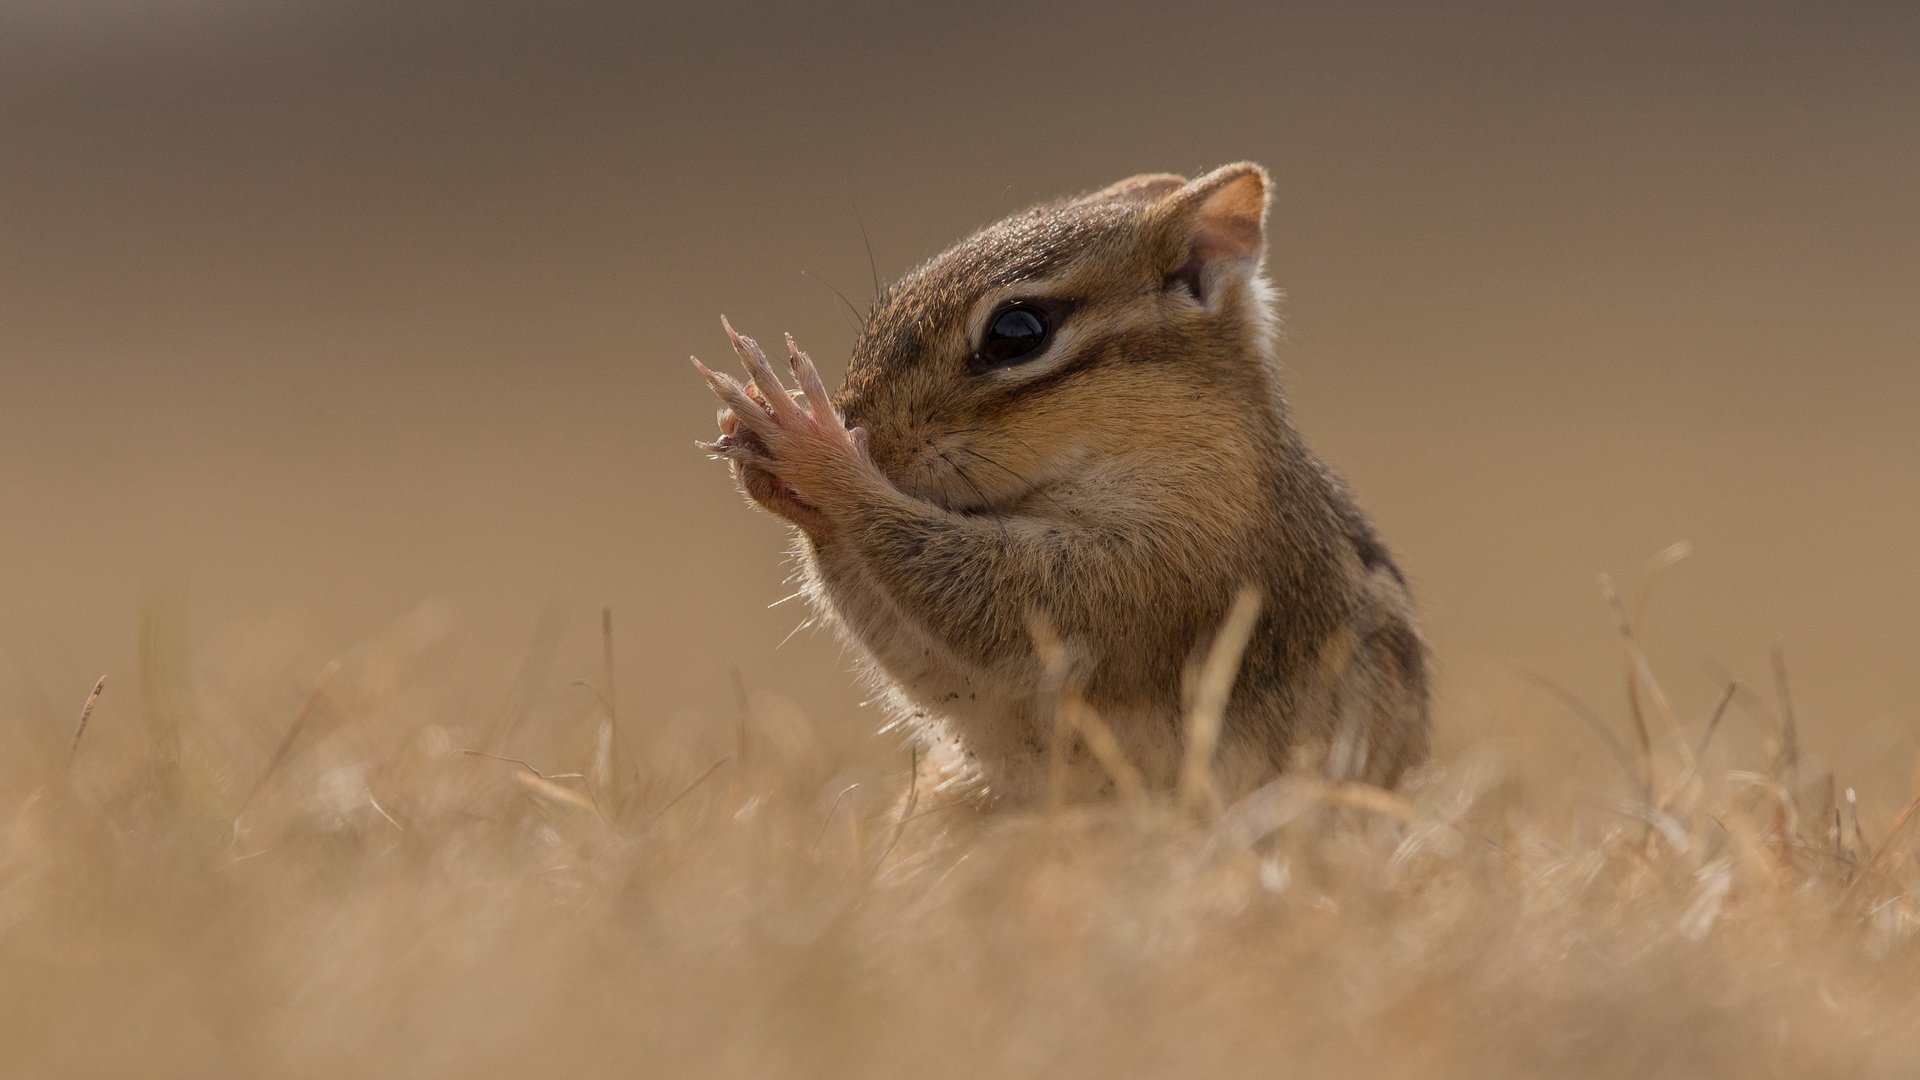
765,386
789,449
819,402
736,397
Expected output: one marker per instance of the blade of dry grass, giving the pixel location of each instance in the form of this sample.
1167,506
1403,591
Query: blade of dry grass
545,788
1700,748
691,785
86,714
543,646
1642,736
1789,762
280,752
606,664
1713,723
522,762
606,772
1074,718
1899,822
1210,690
742,724
832,808
1634,769
906,809
1083,720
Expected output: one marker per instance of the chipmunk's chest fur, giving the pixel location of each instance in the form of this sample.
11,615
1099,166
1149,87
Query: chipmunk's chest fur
998,722
911,655
1000,714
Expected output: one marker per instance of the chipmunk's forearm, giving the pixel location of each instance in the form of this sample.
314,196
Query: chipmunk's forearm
974,584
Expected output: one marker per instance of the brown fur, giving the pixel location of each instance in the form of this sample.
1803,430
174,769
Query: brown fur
1120,491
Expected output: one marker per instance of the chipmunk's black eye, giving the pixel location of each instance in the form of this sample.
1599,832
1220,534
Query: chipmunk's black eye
1015,333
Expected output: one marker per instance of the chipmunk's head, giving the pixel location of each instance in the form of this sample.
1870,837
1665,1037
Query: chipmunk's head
1077,331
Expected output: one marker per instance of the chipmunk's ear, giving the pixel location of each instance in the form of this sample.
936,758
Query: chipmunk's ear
1145,188
1216,226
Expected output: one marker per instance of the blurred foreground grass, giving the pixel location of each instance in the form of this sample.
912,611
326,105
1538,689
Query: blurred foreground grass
244,873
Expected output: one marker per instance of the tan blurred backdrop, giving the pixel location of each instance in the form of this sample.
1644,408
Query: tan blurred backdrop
313,312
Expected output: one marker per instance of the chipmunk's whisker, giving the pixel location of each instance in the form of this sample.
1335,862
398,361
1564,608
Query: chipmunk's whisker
1031,487
859,323
967,478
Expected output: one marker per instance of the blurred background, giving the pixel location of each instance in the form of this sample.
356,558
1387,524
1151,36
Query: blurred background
313,313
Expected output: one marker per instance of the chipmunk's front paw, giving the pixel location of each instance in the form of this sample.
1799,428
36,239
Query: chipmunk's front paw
790,450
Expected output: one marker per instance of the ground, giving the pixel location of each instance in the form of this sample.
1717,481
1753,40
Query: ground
349,889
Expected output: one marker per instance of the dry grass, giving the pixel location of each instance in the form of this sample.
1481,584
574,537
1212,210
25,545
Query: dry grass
276,879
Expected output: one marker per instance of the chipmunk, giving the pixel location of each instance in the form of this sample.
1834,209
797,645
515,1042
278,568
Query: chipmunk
1073,420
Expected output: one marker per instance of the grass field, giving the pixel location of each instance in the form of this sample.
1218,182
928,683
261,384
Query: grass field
313,311
252,874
